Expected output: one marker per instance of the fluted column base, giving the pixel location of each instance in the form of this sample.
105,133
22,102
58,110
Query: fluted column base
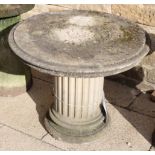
78,112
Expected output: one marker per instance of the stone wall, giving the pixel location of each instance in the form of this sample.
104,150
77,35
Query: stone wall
144,15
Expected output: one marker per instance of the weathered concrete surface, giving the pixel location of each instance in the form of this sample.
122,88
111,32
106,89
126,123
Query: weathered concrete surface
144,73
79,39
144,105
13,140
142,13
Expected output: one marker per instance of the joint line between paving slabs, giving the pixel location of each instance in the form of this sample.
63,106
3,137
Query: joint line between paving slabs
150,148
30,136
1,125
132,102
141,113
44,136
131,110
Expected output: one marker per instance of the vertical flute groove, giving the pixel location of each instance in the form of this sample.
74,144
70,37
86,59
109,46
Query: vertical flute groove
75,100
78,97
60,94
85,97
71,97
82,98
65,95
68,98
96,95
56,90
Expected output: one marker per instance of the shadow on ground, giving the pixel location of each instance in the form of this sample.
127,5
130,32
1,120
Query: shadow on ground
41,93
144,124
11,65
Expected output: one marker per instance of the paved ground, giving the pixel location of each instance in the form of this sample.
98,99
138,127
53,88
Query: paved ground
132,120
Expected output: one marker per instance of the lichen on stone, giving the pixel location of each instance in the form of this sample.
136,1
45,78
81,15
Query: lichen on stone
127,34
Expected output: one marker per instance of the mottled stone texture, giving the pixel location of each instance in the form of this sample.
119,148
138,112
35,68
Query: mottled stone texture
81,38
144,14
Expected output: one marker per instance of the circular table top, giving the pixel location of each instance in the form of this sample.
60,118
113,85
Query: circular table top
79,43
9,10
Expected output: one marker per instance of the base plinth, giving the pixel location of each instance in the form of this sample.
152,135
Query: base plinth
68,134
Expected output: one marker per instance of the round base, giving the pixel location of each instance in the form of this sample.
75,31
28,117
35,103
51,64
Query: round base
85,133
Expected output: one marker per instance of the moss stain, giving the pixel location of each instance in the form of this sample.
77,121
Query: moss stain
127,34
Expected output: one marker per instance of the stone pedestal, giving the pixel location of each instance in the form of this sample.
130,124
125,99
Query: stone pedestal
79,48
77,111
15,77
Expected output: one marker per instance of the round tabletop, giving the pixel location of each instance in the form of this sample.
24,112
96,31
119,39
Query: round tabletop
9,10
79,43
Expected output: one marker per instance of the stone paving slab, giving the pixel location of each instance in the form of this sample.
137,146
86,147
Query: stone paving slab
25,112
118,93
144,105
12,140
126,131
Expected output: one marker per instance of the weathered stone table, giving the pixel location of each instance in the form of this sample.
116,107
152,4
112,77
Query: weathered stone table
79,48
15,77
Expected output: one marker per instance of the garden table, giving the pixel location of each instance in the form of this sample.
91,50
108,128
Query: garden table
79,48
15,77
